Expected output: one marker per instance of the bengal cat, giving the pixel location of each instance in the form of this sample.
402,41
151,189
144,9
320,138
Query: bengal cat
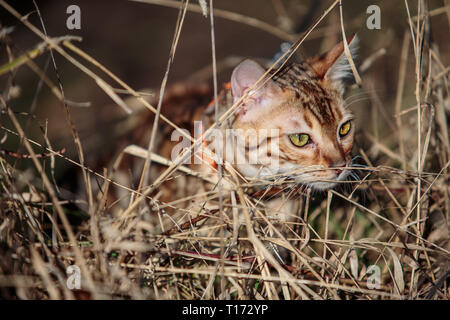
301,108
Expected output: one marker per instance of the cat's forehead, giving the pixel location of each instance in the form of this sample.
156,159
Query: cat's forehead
311,94
293,119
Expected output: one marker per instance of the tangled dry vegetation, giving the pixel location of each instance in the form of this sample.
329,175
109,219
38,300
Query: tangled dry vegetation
138,246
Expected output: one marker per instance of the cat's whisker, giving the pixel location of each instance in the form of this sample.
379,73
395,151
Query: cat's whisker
356,101
355,176
355,96
357,157
365,93
359,165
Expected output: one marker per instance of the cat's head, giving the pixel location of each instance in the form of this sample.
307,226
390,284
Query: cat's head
304,103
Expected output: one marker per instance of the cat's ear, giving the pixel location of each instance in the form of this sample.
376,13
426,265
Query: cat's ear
333,65
244,77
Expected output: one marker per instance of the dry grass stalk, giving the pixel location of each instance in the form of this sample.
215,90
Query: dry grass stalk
232,248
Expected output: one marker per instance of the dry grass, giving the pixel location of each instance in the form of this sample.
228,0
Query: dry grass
222,243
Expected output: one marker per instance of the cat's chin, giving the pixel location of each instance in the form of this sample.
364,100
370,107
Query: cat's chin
322,186
327,185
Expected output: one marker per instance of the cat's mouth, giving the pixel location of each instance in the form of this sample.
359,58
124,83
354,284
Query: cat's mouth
331,180
314,177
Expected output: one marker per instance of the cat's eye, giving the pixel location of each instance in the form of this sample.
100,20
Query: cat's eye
299,139
345,129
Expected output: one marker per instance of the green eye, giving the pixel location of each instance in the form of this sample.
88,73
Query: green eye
345,129
299,139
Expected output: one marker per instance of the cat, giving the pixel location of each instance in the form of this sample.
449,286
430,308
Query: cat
301,108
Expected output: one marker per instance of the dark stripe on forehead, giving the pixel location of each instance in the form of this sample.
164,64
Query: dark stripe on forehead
337,113
308,91
291,70
323,104
307,120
